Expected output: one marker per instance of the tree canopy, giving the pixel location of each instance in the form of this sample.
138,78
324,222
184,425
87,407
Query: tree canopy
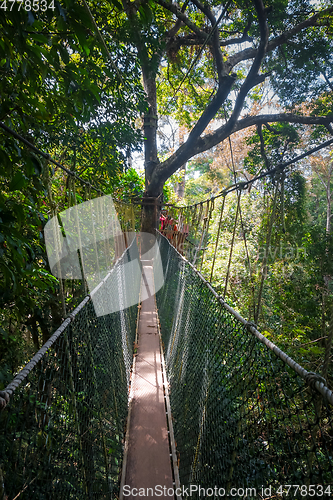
83,81
208,61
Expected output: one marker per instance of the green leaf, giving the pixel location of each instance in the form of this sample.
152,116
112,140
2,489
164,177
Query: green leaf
17,182
117,4
39,38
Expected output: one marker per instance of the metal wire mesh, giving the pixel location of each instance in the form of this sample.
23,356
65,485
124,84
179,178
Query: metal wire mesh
61,434
242,417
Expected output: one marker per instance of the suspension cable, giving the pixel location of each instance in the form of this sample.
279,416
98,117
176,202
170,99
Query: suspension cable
48,157
279,168
242,224
203,232
282,203
232,244
196,230
217,239
53,207
268,242
210,208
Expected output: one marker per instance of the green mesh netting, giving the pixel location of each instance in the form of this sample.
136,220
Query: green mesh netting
242,417
61,434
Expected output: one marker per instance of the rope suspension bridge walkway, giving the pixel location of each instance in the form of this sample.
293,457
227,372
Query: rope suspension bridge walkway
234,410
243,413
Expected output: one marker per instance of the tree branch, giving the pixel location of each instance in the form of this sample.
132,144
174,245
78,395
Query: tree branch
272,129
262,146
174,30
212,108
220,134
192,148
164,170
205,10
174,9
189,40
329,128
178,24
252,77
322,72
250,53
215,37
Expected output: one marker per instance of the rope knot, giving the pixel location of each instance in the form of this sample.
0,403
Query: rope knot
279,171
4,399
243,185
250,324
311,378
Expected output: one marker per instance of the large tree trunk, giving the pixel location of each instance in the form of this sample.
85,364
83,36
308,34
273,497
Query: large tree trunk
152,197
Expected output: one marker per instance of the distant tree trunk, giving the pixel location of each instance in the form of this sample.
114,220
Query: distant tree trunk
329,201
180,189
180,192
326,181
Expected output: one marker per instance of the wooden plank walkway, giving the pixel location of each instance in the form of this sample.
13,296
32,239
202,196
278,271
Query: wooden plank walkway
148,463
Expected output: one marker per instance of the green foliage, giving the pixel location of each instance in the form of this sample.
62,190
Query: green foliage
298,70
186,106
280,141
128,186
298,290
305,59
61,92
203,180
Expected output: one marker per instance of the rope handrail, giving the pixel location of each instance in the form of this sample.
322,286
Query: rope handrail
245,414
61,433
48,157
239,403
134,200
18,379
311,378
244,184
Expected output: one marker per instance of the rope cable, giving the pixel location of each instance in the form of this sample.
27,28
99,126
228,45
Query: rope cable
47,156
53,207
282,203
210,211
204,224
328,347
217,239
71,173
232,244
265,259
279,168
196,231
242,225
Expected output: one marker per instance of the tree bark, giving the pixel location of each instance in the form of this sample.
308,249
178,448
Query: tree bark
150,209
157,173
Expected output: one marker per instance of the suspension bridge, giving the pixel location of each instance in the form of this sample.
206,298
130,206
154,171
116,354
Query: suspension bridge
173,392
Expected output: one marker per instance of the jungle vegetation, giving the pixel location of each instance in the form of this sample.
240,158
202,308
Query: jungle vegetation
93,86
